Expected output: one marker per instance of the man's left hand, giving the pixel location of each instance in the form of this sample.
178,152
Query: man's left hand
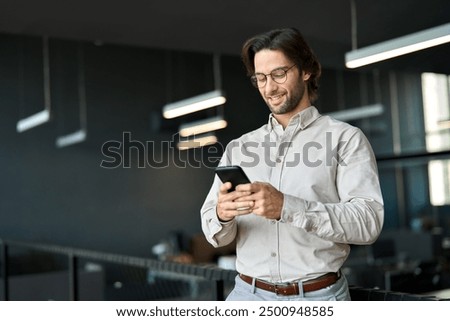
268,201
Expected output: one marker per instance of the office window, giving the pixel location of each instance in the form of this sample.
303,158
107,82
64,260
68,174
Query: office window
436,108
435,89
439,179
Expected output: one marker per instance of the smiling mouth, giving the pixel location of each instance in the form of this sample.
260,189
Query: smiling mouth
276,98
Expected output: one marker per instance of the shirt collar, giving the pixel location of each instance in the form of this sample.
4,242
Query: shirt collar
303,119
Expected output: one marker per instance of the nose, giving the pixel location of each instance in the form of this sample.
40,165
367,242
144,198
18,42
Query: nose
271,86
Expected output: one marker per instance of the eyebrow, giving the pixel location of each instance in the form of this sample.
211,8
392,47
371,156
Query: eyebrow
282,67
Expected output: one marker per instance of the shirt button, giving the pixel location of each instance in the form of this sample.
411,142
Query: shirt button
278,160
273,254
272,222
290,219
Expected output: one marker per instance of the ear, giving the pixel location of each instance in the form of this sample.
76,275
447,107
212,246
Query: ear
306,76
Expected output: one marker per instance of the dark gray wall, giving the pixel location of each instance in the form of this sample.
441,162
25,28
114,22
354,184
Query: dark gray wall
63,196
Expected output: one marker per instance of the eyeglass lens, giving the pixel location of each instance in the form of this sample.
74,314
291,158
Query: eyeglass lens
278,75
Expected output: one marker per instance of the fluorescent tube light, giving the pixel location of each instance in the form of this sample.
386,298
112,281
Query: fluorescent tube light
196,142
70,139
398,46
193,104
202,126
33,120
444,124
358,113
44,115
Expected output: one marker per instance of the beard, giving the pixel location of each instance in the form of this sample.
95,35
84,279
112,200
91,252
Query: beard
291,102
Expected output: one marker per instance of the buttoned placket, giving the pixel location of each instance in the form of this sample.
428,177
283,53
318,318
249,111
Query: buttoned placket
283,141
274,263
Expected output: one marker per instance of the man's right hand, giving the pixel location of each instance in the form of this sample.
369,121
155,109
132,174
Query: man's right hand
227,208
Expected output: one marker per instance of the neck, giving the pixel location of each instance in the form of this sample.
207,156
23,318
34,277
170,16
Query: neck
284,119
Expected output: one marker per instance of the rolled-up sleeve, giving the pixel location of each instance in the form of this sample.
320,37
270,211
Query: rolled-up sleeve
216,232
358,216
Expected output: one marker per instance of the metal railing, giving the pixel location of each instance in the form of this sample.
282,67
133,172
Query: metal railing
210,273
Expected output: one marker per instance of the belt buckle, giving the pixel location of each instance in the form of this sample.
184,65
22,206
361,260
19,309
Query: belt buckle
280,289
276,290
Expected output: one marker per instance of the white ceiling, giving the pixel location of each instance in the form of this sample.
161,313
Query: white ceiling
222,25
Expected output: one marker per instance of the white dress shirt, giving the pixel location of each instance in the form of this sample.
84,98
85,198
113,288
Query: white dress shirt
327,172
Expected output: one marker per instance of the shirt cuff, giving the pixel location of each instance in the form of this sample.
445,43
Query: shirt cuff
292,208
294,212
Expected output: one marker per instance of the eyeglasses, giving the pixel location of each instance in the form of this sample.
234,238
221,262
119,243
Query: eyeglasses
278,75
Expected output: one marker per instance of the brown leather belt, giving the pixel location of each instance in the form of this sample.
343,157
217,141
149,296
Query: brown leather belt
292,288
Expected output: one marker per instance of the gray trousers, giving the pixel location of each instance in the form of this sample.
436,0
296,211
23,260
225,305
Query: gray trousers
246,292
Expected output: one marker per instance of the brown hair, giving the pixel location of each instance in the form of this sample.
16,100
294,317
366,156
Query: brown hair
293,45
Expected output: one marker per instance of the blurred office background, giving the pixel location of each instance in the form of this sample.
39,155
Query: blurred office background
102,72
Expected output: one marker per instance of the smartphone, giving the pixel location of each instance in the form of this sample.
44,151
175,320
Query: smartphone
233,174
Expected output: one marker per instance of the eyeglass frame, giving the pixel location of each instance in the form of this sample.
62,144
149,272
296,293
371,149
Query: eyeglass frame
254,79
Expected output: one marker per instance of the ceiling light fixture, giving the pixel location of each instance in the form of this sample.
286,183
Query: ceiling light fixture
34,120
194,104
398,46
72,138
197,141
202,126
44,115
79,135
444,124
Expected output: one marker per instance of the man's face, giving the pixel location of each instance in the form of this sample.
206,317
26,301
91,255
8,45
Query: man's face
287,97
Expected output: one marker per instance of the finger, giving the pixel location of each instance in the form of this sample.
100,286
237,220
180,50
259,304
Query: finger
245,188
231,197
242,196
243,211
225,187
226,205
235,206
247,197
258,207
226,215
243,205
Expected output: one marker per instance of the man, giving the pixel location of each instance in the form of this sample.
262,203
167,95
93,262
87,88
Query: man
314,190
